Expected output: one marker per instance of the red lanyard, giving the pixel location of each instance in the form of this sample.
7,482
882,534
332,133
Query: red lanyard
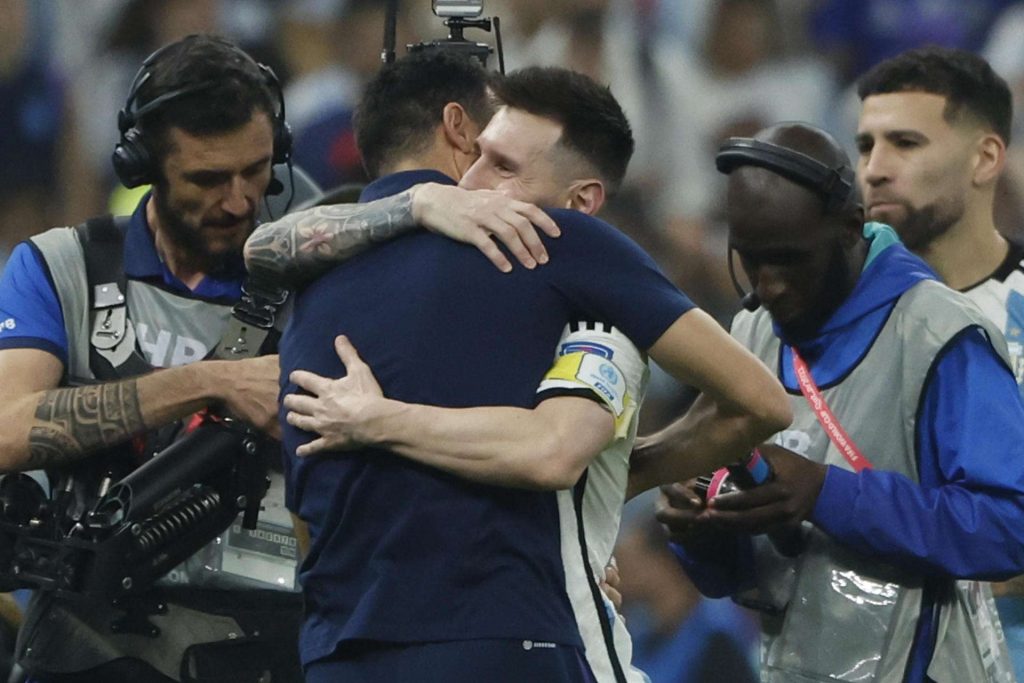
825,416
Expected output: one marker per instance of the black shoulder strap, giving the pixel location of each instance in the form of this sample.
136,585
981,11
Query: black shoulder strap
113,353
112,349
103,244
252,329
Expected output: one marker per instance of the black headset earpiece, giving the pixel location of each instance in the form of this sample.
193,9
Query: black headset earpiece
833,185
282,131
132,161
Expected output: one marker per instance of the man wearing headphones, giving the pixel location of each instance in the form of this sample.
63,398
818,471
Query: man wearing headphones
203,124
903,471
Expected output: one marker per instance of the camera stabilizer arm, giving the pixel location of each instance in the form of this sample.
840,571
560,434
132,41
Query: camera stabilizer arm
143,526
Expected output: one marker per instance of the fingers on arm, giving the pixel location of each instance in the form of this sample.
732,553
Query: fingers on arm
509,228
539,218
481,239
517,229
475,217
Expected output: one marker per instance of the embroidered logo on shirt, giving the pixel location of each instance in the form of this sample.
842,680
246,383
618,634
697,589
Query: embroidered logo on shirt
8,324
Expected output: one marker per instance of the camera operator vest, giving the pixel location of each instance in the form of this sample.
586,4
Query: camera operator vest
238,591
831,614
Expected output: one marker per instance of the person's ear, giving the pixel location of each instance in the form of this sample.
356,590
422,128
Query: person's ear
586,196
460,130
853,225
989,159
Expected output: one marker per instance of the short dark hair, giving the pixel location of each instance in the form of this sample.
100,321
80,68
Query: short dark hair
403,105
593,123
966,80
230,87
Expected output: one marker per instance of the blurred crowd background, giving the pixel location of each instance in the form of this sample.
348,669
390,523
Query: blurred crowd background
688,72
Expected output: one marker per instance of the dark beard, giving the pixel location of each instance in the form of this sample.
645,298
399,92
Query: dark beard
839,282
924,226
188,239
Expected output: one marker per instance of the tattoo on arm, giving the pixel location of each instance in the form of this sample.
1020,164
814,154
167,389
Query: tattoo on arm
74,422
303,245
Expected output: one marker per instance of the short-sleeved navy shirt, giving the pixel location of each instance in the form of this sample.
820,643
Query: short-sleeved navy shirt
405,553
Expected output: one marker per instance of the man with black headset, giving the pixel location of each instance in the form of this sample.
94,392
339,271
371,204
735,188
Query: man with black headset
203,124
901,474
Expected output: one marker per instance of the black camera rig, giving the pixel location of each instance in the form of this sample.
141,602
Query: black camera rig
141,526
458,16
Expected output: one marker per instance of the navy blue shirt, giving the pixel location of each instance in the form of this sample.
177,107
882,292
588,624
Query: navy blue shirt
405,553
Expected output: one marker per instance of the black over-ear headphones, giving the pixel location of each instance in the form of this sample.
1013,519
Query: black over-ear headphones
133,163
833,184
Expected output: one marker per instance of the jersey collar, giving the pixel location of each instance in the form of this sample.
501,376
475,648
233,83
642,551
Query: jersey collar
142,262
389,185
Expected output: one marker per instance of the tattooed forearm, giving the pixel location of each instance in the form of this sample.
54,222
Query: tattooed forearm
71,423
301,246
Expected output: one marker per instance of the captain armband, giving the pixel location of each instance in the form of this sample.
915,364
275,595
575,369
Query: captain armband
600,377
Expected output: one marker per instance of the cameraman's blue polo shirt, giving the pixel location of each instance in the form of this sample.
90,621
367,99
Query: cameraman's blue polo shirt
405,553
30,312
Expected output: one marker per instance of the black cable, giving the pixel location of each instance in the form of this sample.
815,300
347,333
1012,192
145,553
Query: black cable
291,192
390,23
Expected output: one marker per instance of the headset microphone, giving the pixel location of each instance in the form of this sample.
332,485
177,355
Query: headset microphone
751,301
274,187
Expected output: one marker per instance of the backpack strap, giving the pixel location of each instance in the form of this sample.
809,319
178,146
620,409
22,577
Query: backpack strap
113,352
112,348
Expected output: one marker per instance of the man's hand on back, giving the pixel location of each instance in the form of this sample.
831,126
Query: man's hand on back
479,217
339,411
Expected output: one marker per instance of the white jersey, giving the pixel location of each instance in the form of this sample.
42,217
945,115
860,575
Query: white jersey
595,360
1001,299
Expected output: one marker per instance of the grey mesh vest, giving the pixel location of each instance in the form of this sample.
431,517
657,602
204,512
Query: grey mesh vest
841,616
169,330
